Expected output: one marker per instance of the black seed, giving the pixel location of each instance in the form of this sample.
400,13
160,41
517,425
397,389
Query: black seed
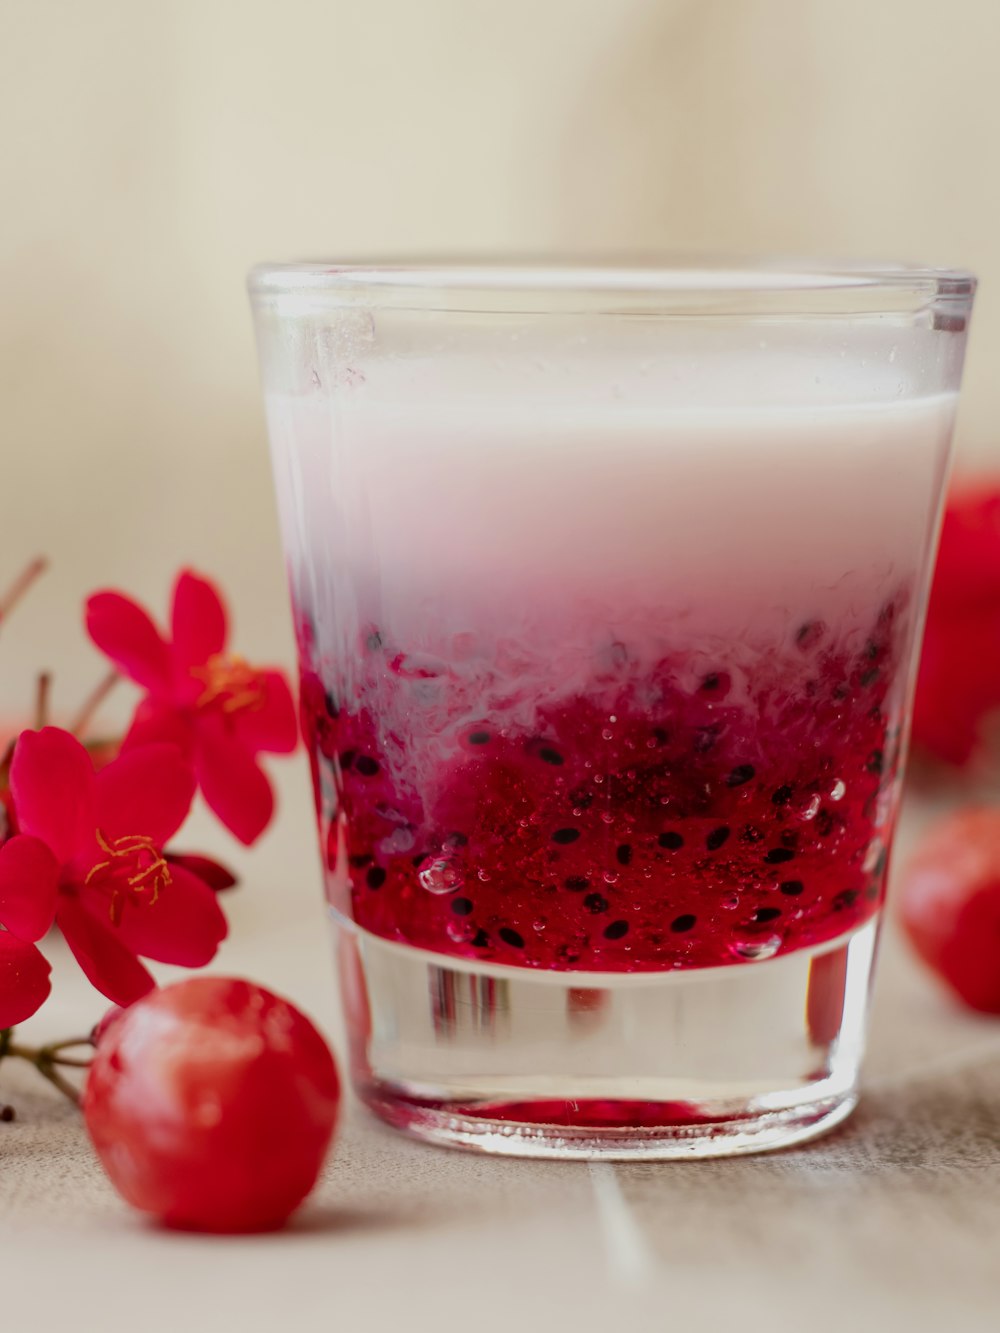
660,736
616,930
777,855
623,855
331,705
763,914
347,759
366,765
870,677
595,902
461,906
751,833
846,899
480,940
810,633
781,795
824,823
7,1114
577,883
454,840
479,738
550,756
793,887
565,835
875,762
716,838
682,923
419,859
711,682
742,774
672,841
872,650
841,692
360,859
511,937
374,641
375,878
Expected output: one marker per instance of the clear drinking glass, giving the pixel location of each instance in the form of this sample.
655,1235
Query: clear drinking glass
608,586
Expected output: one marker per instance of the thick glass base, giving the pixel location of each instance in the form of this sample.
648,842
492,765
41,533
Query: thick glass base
709,1062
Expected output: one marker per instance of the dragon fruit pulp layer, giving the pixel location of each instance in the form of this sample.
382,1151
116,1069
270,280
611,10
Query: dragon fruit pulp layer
636,704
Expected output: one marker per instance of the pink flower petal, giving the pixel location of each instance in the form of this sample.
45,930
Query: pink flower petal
213,873
198,620
185,925
29,882
147,790
124,632
157,720
272,727
107,962
51,780
232,783
24,980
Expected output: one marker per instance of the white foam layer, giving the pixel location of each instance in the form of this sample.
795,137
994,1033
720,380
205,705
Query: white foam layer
439,517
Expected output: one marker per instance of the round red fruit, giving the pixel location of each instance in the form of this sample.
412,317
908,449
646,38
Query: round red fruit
211,1104
950,905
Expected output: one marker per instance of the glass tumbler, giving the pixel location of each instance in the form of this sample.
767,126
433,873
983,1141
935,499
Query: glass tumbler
608,586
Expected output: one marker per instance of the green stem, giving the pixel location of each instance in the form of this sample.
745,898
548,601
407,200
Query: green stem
48,1060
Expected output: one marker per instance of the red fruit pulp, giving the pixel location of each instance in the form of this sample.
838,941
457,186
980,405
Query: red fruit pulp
651,818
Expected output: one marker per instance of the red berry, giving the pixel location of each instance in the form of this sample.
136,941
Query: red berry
950,905
211,1105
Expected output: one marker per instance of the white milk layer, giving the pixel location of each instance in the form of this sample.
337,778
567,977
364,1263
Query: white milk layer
453,525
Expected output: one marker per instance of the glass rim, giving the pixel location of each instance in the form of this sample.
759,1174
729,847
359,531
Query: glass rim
609,283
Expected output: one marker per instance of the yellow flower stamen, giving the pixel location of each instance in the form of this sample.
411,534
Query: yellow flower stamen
135,852
231,681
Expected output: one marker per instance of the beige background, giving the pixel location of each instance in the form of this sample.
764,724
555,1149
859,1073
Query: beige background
152,152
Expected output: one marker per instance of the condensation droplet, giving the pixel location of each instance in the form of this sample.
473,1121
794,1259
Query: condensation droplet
757,950
607,817
837,790
607,734
611,877
483,875
812,809
439,876
730,904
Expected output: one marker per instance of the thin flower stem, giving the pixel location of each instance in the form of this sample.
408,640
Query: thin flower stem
46,1059
67,1045
57,1080
92,703
21,585
42,688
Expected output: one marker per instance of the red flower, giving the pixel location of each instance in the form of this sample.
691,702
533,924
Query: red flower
88,857
959,681
221,711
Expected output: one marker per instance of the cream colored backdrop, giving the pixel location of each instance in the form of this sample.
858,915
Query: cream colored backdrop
152,152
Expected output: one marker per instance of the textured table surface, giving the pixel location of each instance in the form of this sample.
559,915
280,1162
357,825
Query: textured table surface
891,1223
